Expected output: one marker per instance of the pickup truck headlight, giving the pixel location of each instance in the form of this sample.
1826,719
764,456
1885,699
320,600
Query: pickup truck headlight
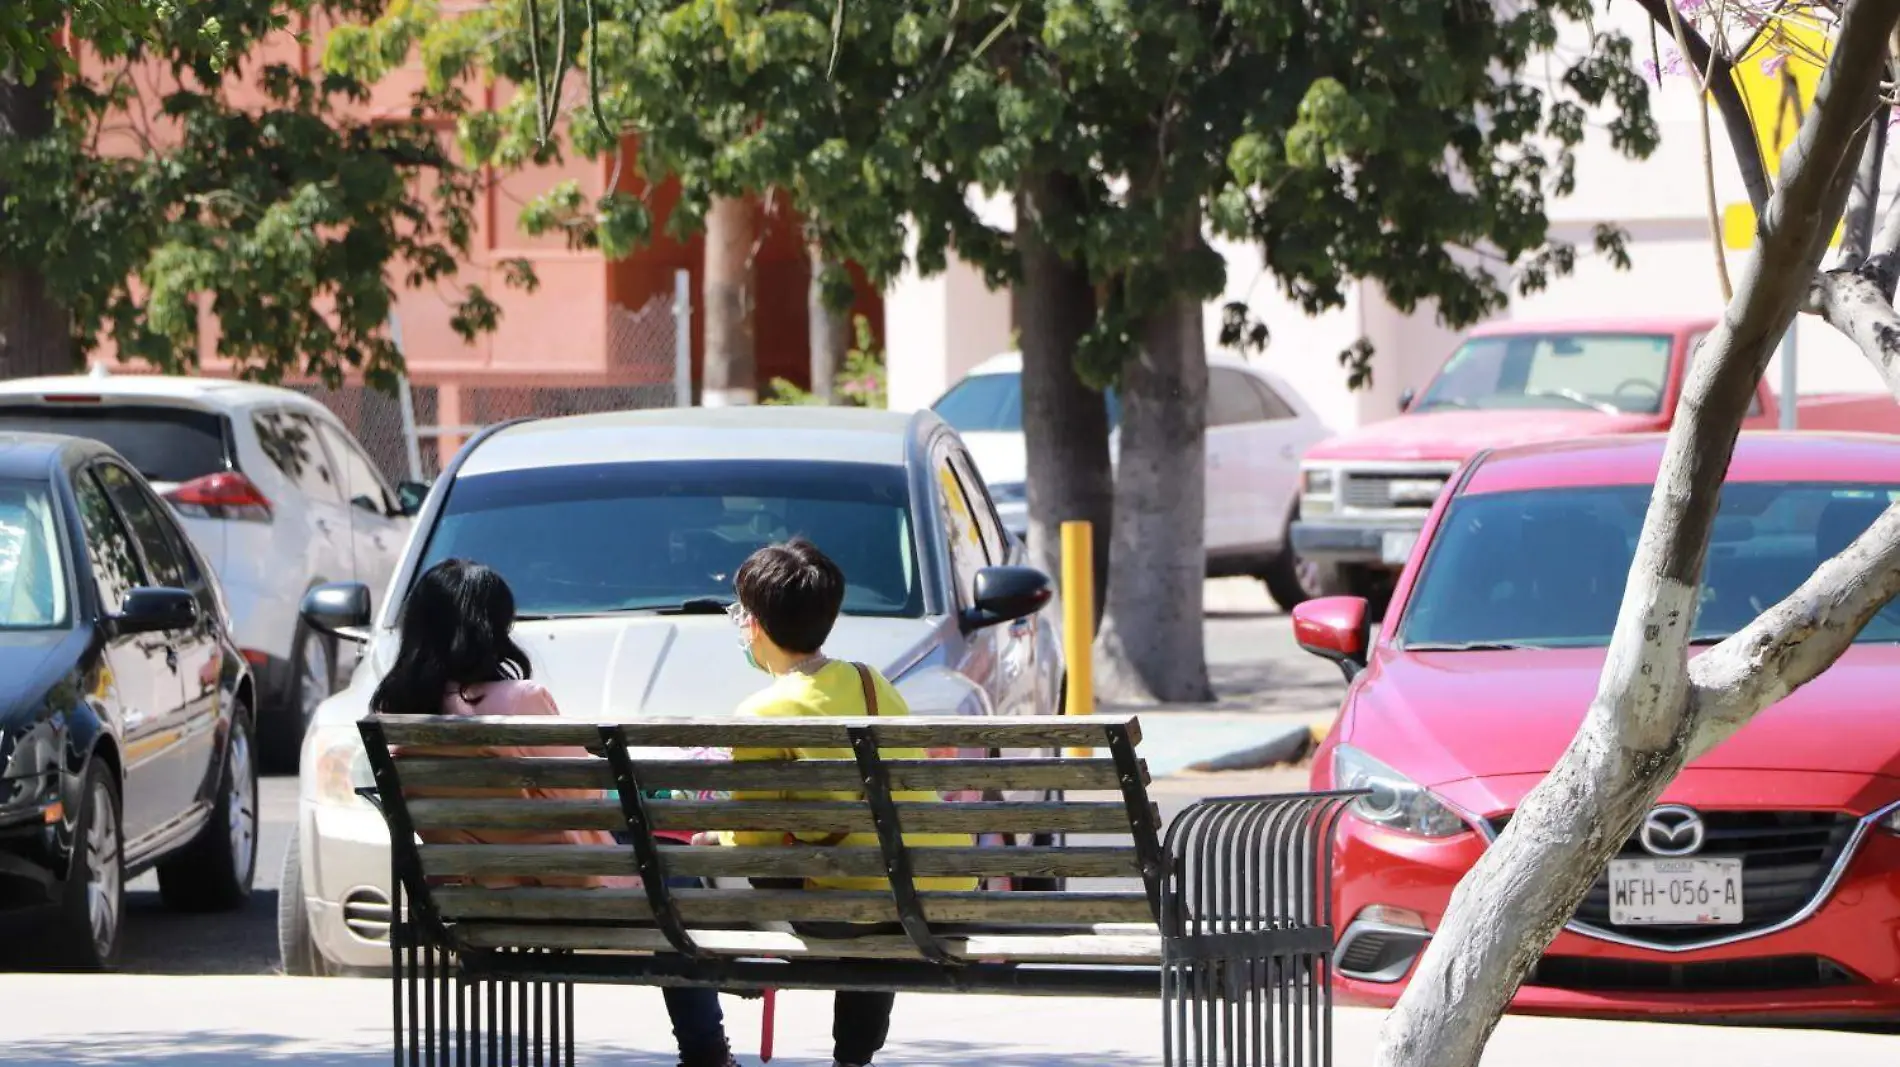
1318,490
337,766
1393,800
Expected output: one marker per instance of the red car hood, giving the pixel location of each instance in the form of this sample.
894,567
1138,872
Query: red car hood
1455,435
1440,717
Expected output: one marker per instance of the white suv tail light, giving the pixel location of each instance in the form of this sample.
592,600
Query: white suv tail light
225,495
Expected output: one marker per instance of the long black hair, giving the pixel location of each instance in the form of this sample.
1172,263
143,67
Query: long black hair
454,636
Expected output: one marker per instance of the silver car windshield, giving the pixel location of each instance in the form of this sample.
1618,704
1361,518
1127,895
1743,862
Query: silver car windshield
612,537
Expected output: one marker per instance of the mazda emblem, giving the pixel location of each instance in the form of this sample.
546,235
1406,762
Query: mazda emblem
1672,830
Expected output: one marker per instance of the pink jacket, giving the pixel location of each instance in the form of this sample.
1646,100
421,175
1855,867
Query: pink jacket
514,698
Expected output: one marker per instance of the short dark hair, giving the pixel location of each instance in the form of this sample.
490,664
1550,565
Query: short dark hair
795,593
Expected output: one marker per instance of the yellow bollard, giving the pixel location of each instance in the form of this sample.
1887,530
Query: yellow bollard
1078,620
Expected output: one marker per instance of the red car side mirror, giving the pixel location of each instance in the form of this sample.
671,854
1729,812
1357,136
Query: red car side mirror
1336,628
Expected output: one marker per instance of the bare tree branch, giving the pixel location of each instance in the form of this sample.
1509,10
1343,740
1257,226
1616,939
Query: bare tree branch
1728,101
1703,75
1858,233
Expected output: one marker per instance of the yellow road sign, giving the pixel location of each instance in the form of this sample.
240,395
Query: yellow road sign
1778,95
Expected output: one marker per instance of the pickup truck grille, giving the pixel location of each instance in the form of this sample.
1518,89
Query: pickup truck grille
1786,858
1375,489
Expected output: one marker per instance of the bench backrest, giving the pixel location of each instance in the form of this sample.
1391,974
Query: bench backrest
1120,834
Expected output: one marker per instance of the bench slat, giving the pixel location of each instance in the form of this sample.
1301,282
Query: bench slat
1029,774
1117,948
998,817
771,905
1019,732
787,862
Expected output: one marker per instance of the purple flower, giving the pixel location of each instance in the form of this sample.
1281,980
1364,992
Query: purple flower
1774,64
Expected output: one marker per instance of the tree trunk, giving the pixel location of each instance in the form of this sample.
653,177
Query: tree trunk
830,330
1151,646
36,335
1653,711
1065,423
731,376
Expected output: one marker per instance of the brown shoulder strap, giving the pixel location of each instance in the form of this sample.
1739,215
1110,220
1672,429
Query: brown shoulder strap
869,683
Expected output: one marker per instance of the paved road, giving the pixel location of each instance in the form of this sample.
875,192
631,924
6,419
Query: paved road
1264,681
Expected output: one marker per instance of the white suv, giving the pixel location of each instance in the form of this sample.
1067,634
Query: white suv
272,489
1258,427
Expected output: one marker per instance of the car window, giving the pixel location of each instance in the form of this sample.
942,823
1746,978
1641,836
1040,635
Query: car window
1559,371
609,537
166,444
361,483
115,566
989,527
32,569
163,556
960,531
1231,401
1275,406
290,440
1547,567
993,403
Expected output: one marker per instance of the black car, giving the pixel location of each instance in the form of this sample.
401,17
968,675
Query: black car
125,707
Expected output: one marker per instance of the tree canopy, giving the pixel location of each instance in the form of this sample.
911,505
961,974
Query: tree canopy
156,155
1413,144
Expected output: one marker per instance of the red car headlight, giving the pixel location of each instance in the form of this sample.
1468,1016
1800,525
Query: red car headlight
1392,800
1889,820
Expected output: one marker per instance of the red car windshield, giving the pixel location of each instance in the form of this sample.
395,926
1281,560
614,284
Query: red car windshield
1616,374
1545,568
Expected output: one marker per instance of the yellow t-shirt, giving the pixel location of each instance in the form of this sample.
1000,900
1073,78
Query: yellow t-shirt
836,690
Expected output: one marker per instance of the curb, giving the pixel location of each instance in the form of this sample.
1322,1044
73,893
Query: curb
1288,750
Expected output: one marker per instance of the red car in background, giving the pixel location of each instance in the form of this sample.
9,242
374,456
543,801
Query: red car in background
1766,883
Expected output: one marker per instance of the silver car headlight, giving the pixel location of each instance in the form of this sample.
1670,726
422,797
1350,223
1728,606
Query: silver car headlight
336,765
1393,800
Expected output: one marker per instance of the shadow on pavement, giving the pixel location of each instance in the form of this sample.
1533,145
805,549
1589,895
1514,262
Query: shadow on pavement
220,1049
161,941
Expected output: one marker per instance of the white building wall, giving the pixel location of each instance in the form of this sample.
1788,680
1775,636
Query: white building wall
939,327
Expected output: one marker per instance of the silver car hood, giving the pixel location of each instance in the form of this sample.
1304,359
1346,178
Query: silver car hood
640,666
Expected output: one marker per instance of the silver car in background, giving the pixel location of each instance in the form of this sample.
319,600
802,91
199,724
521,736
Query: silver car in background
620,534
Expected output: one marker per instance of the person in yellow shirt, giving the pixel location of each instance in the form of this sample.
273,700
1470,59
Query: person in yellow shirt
789,597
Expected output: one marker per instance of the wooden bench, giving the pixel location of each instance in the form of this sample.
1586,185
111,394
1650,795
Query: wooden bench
1227,918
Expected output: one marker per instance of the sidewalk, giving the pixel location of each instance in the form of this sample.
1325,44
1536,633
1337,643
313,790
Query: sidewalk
1264,684
258,1021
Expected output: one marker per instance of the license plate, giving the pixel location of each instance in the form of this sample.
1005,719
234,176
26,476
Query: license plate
1676,892
1395,546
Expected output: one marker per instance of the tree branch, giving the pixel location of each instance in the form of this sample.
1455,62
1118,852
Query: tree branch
1728,101
1858,233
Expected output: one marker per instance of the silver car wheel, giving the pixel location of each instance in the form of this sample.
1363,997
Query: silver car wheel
241,809
103,896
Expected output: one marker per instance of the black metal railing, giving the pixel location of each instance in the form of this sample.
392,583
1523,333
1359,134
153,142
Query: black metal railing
1247,932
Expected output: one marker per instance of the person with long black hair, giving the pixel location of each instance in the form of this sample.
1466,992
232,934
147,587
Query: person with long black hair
458,657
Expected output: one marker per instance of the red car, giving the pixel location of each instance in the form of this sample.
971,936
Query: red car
1766,883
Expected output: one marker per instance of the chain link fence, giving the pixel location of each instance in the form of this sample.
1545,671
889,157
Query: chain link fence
648,354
